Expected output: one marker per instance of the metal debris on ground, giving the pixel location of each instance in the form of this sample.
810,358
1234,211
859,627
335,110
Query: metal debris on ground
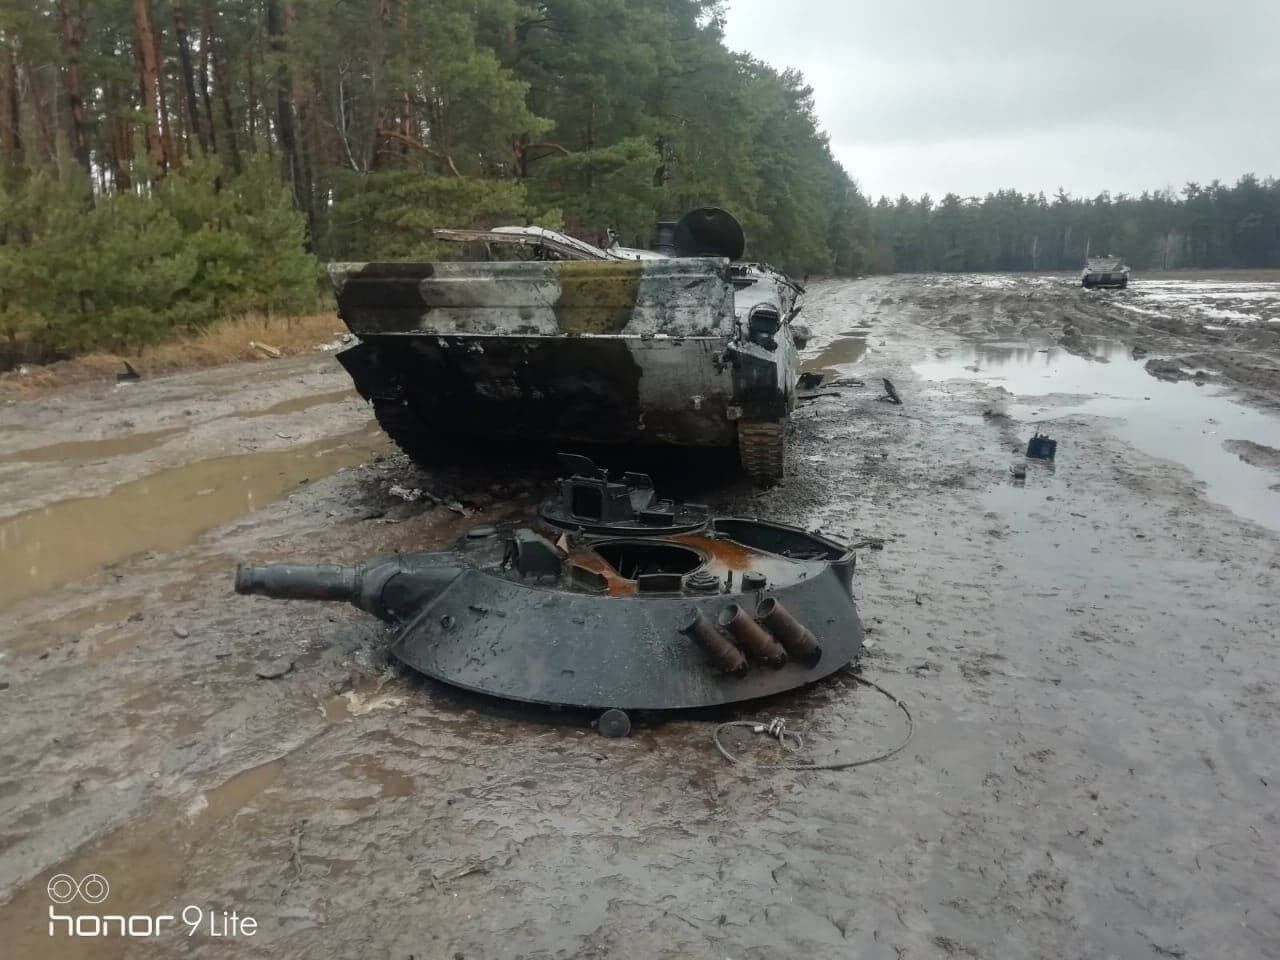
890,392
792,742
129,375
1042,447
610,598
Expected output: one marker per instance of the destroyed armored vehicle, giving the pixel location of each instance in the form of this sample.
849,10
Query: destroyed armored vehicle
580,344
610,598
1105,272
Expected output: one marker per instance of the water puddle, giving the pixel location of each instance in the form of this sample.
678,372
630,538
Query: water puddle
143,862
836,358
391,783
93,449
74,625
1188,424
67,540
300,403
226,799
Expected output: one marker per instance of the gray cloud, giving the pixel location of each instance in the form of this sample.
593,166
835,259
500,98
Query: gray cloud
943,95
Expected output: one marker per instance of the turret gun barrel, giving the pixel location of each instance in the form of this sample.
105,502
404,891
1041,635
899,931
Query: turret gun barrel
390,588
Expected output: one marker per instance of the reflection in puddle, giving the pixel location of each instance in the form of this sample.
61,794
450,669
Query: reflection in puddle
300,403
66,540
1182,422
836,357
93,449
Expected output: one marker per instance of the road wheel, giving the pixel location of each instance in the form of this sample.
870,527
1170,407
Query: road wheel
762,448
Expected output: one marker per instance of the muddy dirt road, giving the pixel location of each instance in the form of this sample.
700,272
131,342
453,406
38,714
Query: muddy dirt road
1090,657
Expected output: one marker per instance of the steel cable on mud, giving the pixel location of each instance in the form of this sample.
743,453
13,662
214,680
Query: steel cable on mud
791,742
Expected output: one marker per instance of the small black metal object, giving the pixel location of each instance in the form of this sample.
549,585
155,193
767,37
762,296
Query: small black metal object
704,581
589,501
1041,447
614,724
810,380
797,639
533,555
891,392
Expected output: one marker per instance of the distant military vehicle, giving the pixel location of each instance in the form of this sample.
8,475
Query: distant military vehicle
579,343
1105,271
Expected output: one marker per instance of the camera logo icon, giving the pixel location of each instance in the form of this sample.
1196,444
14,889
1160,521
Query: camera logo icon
64,888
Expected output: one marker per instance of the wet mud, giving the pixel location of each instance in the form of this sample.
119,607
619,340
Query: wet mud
1088,653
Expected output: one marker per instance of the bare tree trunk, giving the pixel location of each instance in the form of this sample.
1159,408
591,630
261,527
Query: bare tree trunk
285,130
222,81
42,102
149,81
72,37
253,103
206,41
166,118
188,74
11,114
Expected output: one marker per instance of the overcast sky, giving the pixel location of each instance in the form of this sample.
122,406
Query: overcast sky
973,95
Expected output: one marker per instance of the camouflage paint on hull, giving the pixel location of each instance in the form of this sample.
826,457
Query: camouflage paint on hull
609,352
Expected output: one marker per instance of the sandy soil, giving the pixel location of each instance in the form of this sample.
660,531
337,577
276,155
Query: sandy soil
1089,656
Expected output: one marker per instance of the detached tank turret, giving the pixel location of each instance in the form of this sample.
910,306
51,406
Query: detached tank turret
1107,272
611,598
580,344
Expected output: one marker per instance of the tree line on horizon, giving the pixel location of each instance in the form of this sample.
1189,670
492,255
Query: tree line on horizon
1203,226
167,162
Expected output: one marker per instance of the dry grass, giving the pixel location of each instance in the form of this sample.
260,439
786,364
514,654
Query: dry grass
225,342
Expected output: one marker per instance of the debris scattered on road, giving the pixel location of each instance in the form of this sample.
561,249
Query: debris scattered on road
1042,447
891,392
181,632
339,341
1019,471
274,669
129,375
408,495
266,348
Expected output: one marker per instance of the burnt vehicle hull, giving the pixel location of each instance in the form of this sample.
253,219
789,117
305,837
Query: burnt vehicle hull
609,599
662,351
